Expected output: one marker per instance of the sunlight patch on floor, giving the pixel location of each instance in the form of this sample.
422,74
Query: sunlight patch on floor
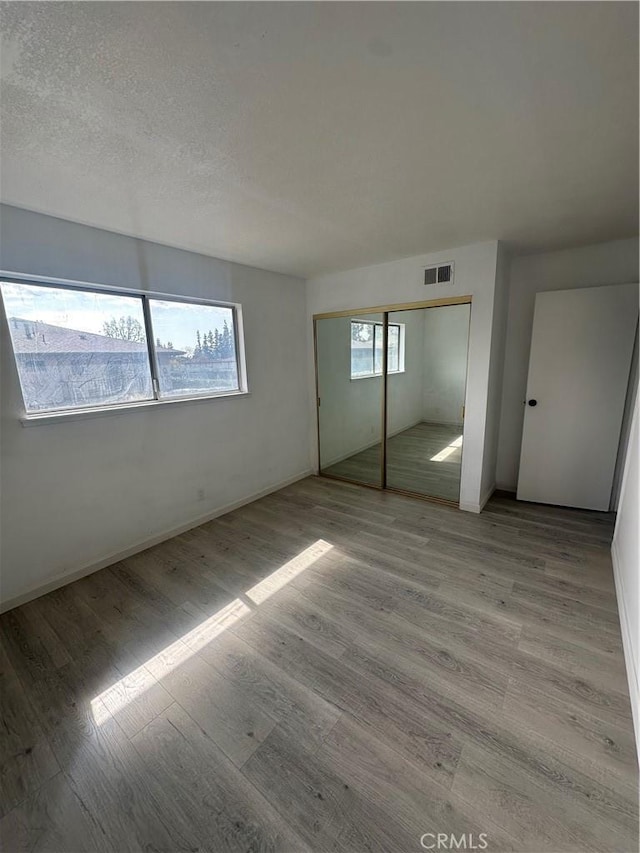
276,580
137,682
448,450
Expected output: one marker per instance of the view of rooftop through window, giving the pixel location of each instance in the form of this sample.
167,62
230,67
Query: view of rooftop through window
80,348
72,351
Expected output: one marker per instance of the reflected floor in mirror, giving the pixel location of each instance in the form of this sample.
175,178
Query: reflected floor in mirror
424,459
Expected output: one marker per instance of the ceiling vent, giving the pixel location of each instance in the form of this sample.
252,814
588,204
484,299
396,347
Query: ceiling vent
439,274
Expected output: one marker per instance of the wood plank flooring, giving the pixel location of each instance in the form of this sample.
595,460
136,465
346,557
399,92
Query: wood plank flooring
327,669
425,459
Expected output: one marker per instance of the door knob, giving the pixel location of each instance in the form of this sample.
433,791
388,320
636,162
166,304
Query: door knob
533,402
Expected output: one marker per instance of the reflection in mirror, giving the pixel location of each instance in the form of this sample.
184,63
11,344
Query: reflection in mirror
350,389
425,400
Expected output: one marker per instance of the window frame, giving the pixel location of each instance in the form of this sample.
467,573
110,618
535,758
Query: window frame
380,324
71,413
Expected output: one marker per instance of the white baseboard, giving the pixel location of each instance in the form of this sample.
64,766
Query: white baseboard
466,506
625,629
68,577
484,500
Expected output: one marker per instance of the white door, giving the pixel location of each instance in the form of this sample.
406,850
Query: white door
578,375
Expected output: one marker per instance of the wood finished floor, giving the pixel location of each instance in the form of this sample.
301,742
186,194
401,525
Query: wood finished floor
411,466
328,669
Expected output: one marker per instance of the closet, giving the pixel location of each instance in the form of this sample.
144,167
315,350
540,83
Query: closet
391,386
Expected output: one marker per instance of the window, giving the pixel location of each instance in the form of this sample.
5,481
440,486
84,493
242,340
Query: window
77,348
366,348
205,360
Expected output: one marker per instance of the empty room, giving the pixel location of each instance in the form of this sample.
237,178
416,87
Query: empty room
319,431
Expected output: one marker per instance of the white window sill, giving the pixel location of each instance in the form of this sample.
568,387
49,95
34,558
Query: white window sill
376,375
86,414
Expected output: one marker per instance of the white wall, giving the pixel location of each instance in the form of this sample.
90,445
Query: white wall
76,493
625,552
402,281
496,374
627,417
446,339
615,262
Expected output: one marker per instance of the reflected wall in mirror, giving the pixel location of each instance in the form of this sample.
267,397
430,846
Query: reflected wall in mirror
349,365
425,401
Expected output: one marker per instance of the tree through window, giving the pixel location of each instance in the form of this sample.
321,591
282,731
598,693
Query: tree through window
367,347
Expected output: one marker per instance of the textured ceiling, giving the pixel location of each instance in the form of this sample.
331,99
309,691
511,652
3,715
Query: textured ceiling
306,137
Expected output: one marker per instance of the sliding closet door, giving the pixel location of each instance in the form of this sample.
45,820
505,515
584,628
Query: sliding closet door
349,366
426,385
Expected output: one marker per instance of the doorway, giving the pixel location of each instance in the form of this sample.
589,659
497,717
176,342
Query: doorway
391,385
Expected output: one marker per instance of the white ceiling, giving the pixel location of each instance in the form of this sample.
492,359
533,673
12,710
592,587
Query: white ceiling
307,137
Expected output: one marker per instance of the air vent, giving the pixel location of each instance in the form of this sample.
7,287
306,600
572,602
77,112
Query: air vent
439,274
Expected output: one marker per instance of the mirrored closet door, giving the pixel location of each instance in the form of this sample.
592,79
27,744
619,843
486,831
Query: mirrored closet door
349,364
426,386
391,387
